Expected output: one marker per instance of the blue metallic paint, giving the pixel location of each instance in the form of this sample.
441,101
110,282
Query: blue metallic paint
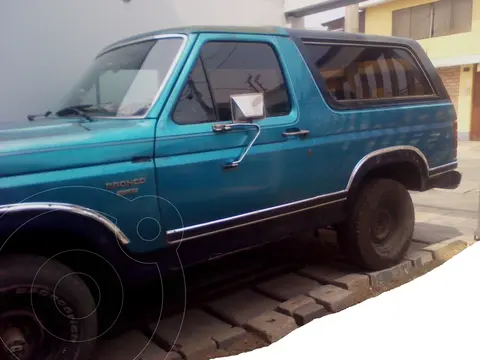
189,158
69,164
70,161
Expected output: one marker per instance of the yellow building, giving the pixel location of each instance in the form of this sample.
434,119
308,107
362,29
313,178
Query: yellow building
449,31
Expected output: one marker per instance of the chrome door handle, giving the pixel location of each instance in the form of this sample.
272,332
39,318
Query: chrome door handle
222,127
227,127
296,132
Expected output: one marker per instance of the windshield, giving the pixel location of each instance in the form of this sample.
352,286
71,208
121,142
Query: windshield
124,82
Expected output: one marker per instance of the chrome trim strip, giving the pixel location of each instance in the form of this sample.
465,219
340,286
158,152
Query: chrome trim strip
438,174
380,152
442,166
256,212
442,172
247,223
350,182
392,98
75,209
167,76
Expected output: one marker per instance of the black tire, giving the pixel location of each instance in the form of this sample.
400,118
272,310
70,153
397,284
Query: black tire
46,309
363,239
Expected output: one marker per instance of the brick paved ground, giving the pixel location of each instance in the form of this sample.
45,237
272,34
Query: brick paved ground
273,308
270,309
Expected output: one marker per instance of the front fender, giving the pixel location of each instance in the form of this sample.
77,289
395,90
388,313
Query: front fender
50,227
30,210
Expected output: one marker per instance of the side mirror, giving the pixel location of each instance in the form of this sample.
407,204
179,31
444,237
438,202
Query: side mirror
247,107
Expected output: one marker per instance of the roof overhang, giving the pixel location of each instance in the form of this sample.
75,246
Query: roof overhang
370,3
325,5
319,6
456,61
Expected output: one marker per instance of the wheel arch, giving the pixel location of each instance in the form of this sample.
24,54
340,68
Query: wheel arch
55,229
406,164
27,211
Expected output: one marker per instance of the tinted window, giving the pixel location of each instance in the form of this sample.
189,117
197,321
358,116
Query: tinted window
368,73
195,104
227,68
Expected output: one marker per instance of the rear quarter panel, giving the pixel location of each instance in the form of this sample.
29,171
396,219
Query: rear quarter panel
350,134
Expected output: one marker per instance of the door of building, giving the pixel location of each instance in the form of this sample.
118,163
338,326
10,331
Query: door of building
475,120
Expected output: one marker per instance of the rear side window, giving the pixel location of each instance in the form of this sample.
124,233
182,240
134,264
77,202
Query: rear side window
362,73
228,68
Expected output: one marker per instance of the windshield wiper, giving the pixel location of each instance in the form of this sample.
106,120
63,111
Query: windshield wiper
75,109
33,117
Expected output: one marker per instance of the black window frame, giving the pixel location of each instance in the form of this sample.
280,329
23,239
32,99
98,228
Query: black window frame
198,56
347,105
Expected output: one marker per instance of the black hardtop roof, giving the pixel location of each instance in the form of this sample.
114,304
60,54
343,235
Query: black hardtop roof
264,30
324,35
311,34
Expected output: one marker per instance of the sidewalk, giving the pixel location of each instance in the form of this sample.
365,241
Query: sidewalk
452,212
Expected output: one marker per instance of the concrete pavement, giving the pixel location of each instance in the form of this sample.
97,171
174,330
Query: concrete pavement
463,200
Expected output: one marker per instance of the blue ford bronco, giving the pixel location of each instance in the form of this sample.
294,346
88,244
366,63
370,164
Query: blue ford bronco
202,142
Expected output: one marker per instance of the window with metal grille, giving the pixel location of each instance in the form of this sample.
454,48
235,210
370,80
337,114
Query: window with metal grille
441,18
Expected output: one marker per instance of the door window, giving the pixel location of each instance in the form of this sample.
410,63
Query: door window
229,68
195,104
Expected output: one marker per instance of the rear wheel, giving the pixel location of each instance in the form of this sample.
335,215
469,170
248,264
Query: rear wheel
46,311
379,227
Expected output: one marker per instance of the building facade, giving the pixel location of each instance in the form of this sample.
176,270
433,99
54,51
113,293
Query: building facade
449,31
339,24
46,45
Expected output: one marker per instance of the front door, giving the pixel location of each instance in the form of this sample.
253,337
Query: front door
199,193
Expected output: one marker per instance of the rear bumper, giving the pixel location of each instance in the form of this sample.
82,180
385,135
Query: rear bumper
449,180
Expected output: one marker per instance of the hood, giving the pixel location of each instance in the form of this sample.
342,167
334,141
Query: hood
54,144
15,131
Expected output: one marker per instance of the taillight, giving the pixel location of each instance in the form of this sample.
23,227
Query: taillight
455,138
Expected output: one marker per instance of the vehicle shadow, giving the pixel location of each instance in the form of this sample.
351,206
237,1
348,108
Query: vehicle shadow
205,282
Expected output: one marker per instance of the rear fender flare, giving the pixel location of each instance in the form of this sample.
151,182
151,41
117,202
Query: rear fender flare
388,156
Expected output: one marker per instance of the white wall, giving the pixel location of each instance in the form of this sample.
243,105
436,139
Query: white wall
316,20
291,5
45,45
